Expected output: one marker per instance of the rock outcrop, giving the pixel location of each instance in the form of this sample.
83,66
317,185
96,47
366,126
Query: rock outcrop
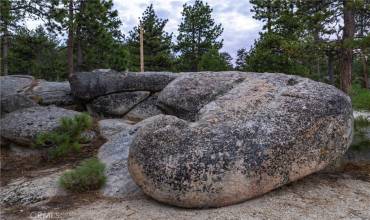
22,126
250,134
23,91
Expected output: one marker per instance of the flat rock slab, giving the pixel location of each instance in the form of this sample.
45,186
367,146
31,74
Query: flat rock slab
258,133
114,155
110,127
89,85
117,104
22,126
25,191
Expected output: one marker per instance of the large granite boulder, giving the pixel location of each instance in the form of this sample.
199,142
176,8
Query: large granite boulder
117,104
89,85
22,126
258,133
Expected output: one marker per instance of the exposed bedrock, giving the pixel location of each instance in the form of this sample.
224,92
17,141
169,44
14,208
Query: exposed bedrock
245,134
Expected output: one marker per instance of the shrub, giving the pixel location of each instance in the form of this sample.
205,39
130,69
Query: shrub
360,140
67,137
89,175
360,98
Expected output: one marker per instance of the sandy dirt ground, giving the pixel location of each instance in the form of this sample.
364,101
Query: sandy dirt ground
338,195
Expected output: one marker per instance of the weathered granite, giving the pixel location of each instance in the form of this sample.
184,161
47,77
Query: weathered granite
48,93
248,138
14,102
14,84
22,126
145,109
110,127
117,104
89,85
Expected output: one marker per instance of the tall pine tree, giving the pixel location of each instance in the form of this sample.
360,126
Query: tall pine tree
198,34
157,43
94,36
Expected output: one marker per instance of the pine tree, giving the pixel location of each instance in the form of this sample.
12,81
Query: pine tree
93,33
36,53
157,43
241,58
212,60
198,34
12,16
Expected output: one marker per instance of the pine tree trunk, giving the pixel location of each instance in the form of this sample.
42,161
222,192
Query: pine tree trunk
5,50
70,39
330,69
365,71
79,38
347,54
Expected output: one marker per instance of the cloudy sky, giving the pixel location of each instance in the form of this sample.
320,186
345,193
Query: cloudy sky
240,29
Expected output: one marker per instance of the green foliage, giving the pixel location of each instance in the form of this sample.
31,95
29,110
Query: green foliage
98,41
215,61
157,43
36,53
360,98
360,140
67,137
98,37
89,175
198,34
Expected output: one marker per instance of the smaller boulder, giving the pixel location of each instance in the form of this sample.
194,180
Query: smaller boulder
117,104
14,102
22,126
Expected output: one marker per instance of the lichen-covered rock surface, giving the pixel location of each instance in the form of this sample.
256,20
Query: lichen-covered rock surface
244,134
